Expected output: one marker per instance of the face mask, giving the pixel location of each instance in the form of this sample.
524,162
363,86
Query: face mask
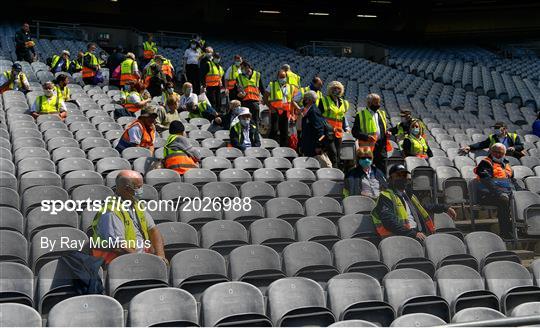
400,184
365,162
237,63
245,122
217,60
209,55
282,81
336,92
188,91
499,133
193,46
126,87
48,93
374,107
170,90
415,131
245,72
138,193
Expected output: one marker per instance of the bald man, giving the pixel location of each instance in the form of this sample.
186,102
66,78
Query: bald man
123,226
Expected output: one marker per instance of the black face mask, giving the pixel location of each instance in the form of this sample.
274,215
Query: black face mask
374,107
400,184
305,103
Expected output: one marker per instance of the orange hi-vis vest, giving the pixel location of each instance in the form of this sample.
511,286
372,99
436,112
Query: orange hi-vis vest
167,68
250,86
499,172
276,97
131,107
127,72
368,126
213,77
87,72
335,115
231,78
419,146
177,160
401,214
147,138
149,49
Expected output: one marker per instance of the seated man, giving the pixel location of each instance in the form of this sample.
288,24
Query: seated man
14,80
399,212
496,186
141,132
512,142
60,63
244,134
119,231
178,153
365,179
49,104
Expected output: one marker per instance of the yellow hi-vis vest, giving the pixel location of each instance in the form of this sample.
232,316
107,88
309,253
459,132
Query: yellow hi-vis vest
419,146
214,75
127,71
11,86
293,78
64,94
231,78
56,59
49,106
250,86
149,49
335,115
177,160
276,96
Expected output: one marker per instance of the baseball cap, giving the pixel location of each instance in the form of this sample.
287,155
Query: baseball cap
66,52
398,168
499,125
17,67
405,112
148,111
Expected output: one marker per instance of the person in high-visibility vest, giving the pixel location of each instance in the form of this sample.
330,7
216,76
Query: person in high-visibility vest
129,70
370,130
178,153
231,75
512,142
315,85
132,98
250,88
149,48
399,212
90,64
213,80
278,97
401,130
76,65
244,134
14,79
414,144
49,104
333,108
168,91
292,77
165,66
60,63
61,87
123,225
141,132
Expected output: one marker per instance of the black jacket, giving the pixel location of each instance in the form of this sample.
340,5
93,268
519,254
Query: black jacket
353,180
518,145
237,138
21,38
313,128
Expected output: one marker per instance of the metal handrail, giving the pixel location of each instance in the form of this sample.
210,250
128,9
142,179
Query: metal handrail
505,322
39,25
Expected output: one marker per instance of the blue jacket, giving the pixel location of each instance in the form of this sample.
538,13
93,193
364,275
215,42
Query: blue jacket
313,128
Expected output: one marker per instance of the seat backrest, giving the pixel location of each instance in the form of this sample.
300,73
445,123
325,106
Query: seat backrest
196,262
403,284
251,258
350,251
502,276
221,231
281,207
482,243
133,267
350,288
81,311
270,228
396,248
19,315
358,204
303,254
477,314
455,279
441,245
417,320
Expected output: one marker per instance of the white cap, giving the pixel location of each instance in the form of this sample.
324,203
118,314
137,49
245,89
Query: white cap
65,52
243,111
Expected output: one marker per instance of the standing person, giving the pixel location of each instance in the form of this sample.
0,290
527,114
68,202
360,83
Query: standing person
212,82
190,64
364,179
149,48
155,81
168,113
536,126
333,108
292,77
414,144
61,87
244,134
278,97
14,80
90,65
24,45
313,126
49,104
315,85
512,142
60,63
231,75
164,65
250,88
370,126
129,70
497,183
141,132
178,154
126,221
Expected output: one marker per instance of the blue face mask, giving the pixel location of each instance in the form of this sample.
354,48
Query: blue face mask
282,81
415,131
365,162
237,63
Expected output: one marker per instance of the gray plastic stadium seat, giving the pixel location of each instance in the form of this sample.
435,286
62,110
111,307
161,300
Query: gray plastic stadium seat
526,207
195,270
308,259
213,143
463,287
526,309
95,154
271,176
192,215
269,143
487,247
235,176
309,163
512,283
144,164
16,284
175,190
131,274
11,219
28,142
417,320
81,311
278,163
328,188
535,269
90,143
356,296
533,184
163,306
82,134
177,237
109,164
216,164
405,252
358,255
444,249
255,264
294,189
521,172
298,302
38,219
235,304
33,196
358,205
249,164
330,174
75,179
302,175
271,232
257,152
412,291
27,152
14,247
476,314
92,192
56,133
34,164
8,180
40,256
223,236
67,152
285,152
199,177
284,208
245,217
353,323
324,206
18,315
229,153
318,229
445,224
149,192
68,165
133,153
160,177
258,191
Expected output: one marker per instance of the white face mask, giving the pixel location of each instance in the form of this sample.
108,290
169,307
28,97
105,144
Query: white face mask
138,193
245,122
189,91
48,93
170,90
193,46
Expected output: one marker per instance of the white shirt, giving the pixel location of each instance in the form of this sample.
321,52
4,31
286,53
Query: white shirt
61,105
135,134
376,118
184,100
284,90
192,56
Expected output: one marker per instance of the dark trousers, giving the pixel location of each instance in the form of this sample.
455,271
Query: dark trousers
24,55
279,123
254,109
333,150
213,95
192,76
233,94
503,213
89,81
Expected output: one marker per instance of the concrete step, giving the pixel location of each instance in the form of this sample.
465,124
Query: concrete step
524,255
479,224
